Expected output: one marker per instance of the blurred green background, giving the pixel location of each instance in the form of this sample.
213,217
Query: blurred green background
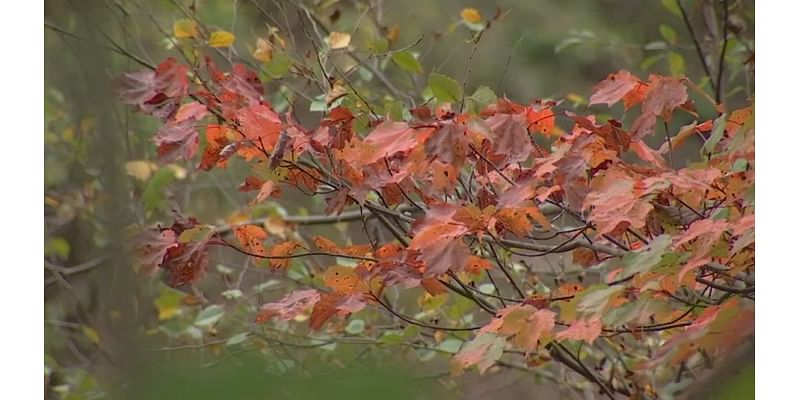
100,318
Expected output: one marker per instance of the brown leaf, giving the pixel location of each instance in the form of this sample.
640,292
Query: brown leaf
613,88
510,138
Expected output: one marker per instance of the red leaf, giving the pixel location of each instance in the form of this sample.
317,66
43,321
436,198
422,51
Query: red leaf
186,264
261,125
152,246
390,138
510,138
482,351
288,307
543,121
194,110
615,202
613,88
441,248
664,96
216,141
177,141
449,144
333,303
583,329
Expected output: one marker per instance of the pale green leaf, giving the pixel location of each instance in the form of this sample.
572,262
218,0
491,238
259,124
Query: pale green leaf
406,60
444,88
209,316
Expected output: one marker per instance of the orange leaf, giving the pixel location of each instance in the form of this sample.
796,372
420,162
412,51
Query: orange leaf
284,249
343,279
477,264
582,329
252,238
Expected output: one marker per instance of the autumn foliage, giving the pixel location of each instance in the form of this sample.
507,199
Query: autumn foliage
470,199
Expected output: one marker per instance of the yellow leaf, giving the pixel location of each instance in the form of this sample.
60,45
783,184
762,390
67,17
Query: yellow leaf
221,39
471,15
140,169
339,40
263,51
184,28
91,334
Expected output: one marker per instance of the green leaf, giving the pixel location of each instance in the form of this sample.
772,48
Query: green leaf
196,234
717,130
739,165
656,45
355,327
648,62
596,298
450,345
91,334
668,33
153,194
676,64
644,260
168,303
444,88
672,7
209,316
57,246
570,41
378,46
482,97
236,339
406,60
278,66
392,337
232,294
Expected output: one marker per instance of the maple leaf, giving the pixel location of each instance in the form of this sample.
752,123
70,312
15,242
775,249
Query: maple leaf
586,329
449,144
284,249
186,264
267,189
441,248
177,140
615,202
216,141
483,350
137,87
152,246
245,83
344,280
510,138
336,202
613,88
194,110
475,265
288,307
334,303
526,324
516,195
390,138
542,121
172,78
261,125
252,238
664,95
